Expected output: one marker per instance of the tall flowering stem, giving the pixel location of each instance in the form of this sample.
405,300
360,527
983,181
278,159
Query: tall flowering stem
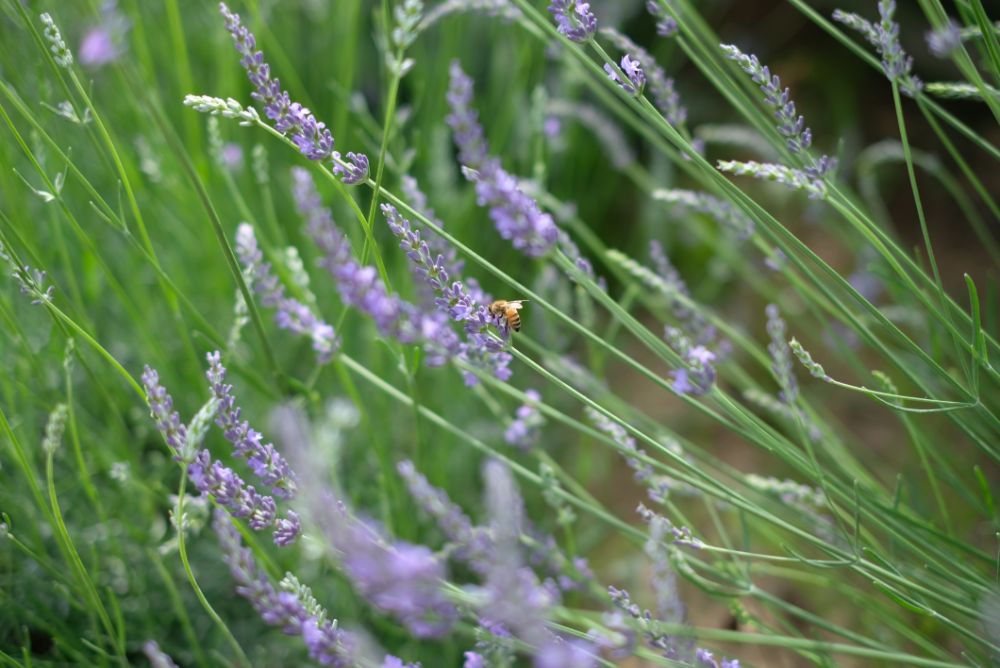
790,125
326,644
359,285
884,36
264,460
311,136
517,216
290,313
470,544
796,179
399,578
480,349
212,477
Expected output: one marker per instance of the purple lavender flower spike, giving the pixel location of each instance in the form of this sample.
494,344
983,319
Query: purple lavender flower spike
574,19
884,36
439,247
213,477
523,431
360,286
474,660
290,313
354,171
660,87
161,407
698,376
790,125
808,180
635,79
666,25
943,41
311,136
517,216
326,644
264,460
781,358
515,598
480,350
401,579
473,545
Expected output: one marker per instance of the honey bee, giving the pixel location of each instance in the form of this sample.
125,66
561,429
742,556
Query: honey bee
508,311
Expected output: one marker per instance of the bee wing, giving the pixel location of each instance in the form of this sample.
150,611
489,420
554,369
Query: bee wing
516,304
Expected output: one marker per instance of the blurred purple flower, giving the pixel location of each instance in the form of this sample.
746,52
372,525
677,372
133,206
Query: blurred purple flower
666,25
97,47
102,44
290,313
157,657
471,545
514,597
524,429
943,41
399,578
574,19
327,644
232,155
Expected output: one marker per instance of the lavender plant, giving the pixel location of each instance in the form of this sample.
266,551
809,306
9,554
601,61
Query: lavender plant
769,439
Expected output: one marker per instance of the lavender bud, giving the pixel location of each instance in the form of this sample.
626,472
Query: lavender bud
884,36
666,25
635,78
815,369
737,223
157,657
227,108
793,178
60,52
661,87
54,428
781,363
943,41
574,19
354,170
